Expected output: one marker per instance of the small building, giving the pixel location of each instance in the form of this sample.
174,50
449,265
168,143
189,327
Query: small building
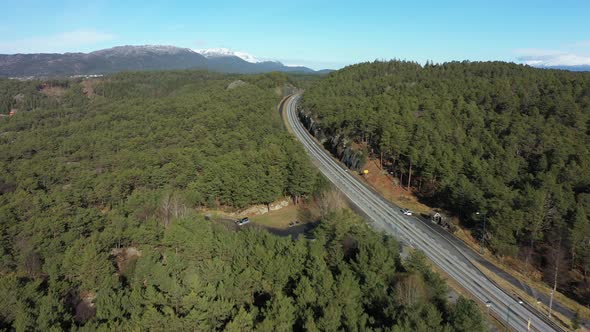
440,219
436,217
12,112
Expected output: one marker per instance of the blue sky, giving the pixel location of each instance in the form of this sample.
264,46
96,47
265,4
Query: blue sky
319,34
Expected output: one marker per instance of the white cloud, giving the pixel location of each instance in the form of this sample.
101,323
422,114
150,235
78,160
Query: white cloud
582,43
536,52
561,59
62,42
543,57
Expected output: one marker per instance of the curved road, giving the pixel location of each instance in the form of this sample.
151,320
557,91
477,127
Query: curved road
387,217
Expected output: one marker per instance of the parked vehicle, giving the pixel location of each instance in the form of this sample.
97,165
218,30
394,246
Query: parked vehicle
407,212
242,221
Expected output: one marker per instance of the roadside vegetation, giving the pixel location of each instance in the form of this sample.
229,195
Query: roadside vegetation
508,141
100,186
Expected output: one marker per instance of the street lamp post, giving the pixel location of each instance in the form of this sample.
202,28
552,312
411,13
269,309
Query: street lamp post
483,233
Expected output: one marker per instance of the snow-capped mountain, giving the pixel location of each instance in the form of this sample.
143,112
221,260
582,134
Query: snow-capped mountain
129,50
224,52
144,57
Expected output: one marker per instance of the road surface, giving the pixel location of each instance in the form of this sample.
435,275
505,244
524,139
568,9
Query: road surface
387,217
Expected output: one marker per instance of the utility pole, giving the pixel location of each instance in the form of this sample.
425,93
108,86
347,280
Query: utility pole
551,301
555,275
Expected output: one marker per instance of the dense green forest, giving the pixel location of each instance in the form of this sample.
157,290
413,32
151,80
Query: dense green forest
99,229
506,140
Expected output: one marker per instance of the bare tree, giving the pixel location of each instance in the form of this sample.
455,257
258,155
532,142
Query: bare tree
410,290
558,264
32,263
165,209
329,201
542,212
410,175
171,207
178,208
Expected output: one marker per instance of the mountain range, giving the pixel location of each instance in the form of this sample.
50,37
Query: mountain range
570,68
224,52
135,58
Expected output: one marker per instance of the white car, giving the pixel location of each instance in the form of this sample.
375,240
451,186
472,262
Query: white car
242,221
407,212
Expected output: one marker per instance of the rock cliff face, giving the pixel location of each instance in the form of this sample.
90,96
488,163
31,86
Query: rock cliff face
339,145
261,209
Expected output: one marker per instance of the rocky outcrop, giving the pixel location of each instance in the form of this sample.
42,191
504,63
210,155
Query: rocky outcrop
261,209
85,308
338,145
123,256
236,84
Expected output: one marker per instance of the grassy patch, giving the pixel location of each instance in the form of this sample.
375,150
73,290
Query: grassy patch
278,218
385,184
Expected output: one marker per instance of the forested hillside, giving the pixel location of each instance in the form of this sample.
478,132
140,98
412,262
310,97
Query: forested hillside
132,58
99,229
508,141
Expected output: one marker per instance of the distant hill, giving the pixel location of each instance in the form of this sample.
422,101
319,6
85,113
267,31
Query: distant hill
570,68
131,58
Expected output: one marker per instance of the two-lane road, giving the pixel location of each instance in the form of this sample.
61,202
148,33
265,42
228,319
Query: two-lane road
387,217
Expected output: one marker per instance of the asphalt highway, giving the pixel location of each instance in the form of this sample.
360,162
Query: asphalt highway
387,217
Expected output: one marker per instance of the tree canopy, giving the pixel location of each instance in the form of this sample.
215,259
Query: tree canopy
506,140
99,188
